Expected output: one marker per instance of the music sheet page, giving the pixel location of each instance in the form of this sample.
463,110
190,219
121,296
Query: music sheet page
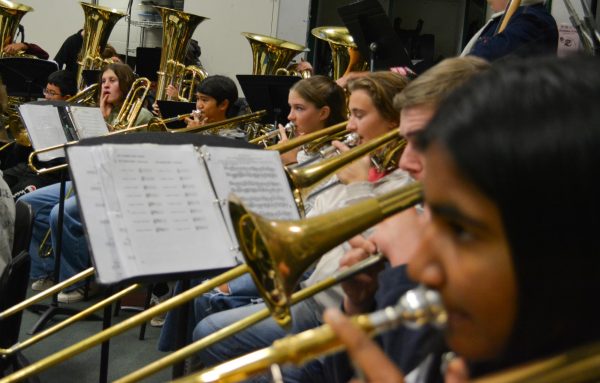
44,128
88,121
161,210
256,176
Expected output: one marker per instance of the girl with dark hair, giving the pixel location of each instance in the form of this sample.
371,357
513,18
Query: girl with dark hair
511,244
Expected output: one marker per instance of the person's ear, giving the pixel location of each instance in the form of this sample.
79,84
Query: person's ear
324,113
223,105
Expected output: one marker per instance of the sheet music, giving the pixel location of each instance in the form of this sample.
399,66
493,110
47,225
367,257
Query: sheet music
44,128
88,121
160,208
256,176
93,208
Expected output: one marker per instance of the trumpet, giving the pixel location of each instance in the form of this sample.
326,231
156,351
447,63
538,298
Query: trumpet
415,308
277,253
289,130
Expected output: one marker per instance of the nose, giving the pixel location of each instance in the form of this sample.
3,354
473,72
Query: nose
409,161
352,126
425,266
291,116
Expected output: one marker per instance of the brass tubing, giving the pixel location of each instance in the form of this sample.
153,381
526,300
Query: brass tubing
286,146
117,329
80,315
46,293
243,118
246,322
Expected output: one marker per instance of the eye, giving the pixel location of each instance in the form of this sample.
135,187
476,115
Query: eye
460,231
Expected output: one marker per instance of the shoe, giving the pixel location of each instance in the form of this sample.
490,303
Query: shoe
159,320
42,284
78,294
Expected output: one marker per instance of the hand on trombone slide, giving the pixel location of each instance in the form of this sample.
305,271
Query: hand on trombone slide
198,119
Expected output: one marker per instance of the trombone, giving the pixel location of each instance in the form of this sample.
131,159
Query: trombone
277,252
295,142
417,307
305,178
289,130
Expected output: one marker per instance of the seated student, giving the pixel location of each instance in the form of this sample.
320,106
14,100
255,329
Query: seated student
26,48
315,103
7,207
513,257
115,82
396,236
531,31
306,313
60,86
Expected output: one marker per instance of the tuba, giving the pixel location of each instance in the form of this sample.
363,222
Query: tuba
270,54
99,22
344,53
10,17
178,28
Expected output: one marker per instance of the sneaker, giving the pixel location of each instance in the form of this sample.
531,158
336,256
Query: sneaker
159,320
42,284
78,294
73,296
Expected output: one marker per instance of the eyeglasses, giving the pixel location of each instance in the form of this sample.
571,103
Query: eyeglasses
50,93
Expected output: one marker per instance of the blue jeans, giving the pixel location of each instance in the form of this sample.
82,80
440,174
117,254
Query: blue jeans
241,292
306,315
74,251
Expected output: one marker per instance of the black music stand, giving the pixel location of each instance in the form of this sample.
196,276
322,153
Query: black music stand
25,77
169,109
182,312
269,93
91,76
147,62
374,35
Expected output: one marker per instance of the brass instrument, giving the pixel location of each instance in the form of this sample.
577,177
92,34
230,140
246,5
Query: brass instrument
133,104
10,17
223,333
350,140
344,53
191,77
270,53
87,96
415,308
304,178
126,117
297,141
99,22
292,70
213,127
178,27
264,139
277,252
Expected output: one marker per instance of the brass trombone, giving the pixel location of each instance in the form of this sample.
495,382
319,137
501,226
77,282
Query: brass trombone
289,130
416,308
297,141
304,178
277,252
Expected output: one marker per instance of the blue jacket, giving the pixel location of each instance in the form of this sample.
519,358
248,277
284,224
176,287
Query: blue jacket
531,31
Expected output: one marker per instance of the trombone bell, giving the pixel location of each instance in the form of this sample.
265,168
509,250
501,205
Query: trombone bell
277,252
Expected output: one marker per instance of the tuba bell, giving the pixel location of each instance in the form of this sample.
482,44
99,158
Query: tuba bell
178,27
344,53
270,54
10,17
99,22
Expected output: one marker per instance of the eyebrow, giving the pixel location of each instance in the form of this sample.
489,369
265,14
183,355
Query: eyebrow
454,214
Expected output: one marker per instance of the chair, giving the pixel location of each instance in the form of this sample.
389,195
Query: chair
13,286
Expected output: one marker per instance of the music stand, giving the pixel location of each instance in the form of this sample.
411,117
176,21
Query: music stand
170,109
91,76
147,62
374,35
269,93
25,77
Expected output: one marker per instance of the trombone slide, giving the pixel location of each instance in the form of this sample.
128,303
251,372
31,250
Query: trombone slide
415,308
244,323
